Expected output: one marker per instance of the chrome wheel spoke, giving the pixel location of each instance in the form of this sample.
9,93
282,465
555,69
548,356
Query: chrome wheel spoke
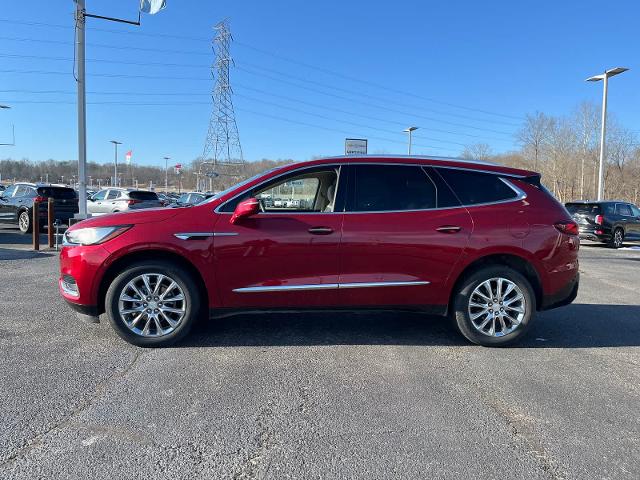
496,307
149,315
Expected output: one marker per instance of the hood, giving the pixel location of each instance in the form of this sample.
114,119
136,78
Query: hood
134,217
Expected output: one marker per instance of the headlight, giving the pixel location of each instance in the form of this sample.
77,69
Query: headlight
93,235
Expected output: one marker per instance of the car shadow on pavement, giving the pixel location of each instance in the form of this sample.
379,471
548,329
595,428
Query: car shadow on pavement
574,326
22,254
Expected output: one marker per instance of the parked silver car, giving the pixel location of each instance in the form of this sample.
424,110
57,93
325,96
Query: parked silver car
113,200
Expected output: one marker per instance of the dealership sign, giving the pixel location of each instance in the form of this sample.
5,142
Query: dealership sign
355,146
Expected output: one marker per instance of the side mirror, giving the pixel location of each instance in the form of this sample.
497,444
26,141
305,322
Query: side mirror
245,209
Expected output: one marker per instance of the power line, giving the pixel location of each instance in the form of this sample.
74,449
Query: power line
315,105
258,67
284,58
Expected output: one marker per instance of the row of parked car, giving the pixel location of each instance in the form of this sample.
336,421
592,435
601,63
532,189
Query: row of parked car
17,201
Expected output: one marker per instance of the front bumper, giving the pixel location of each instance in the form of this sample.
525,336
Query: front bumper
83,268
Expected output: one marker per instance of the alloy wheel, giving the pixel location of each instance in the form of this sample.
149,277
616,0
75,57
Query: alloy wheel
497,307
152,305
23,221
617,238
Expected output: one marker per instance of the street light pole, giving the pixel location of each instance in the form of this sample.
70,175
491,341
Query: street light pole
603,124
409,131
115,162
166,174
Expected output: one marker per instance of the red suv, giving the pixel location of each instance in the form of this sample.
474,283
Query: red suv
485,244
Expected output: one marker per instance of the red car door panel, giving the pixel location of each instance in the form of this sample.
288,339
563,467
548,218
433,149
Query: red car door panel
278,260
402,247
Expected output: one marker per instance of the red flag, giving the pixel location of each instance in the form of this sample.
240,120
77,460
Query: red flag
128,156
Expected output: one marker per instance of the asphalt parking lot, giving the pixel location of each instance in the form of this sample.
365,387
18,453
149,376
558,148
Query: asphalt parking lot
322,395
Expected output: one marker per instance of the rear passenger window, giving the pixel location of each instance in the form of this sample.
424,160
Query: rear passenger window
392,188
623,209
473,188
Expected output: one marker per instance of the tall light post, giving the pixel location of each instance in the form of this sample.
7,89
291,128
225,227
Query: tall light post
409,131
115,164
166,174
603,124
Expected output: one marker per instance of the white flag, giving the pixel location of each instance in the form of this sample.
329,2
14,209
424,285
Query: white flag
152,6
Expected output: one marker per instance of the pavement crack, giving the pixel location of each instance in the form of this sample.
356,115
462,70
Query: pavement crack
67,419
251,468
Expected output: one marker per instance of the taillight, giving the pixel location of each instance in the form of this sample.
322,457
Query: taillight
599,219
568,228
40,199
133,202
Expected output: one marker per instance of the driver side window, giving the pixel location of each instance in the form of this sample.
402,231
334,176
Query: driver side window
303,192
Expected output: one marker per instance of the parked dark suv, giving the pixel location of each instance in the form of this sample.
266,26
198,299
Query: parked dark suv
611,222
16,203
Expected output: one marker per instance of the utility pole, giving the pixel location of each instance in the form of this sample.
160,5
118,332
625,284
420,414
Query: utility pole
166,174
115,163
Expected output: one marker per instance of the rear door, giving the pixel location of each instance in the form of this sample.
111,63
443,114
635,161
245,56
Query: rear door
402,234
625,219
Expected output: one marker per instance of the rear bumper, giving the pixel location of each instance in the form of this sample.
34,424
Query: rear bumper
594,234
564,296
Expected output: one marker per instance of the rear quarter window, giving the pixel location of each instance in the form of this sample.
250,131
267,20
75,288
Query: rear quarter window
474,188
147,196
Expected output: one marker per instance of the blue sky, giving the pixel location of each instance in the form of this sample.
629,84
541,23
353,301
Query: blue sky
309,74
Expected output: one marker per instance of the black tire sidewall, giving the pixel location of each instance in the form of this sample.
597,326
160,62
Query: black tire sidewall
460,314
181,277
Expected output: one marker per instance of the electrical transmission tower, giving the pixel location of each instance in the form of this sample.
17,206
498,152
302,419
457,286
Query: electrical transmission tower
222,152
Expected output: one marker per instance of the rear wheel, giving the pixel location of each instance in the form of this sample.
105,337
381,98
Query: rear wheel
24,222
152,304
494,306
617,238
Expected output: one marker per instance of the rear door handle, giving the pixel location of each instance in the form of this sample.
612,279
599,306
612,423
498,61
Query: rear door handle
449,229
320,230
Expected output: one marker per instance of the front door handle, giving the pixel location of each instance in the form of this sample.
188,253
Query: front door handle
449,229
320,230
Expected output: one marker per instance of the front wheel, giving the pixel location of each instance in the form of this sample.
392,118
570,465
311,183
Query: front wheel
494,306
152,304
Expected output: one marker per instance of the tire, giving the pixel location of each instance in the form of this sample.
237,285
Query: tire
617,238
148,331
24,222
506,331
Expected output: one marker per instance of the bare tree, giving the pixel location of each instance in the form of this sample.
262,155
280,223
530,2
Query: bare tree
477,151
534,135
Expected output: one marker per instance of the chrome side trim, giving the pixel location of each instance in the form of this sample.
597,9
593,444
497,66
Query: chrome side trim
327,286
287,288
382,284
193,235
225,234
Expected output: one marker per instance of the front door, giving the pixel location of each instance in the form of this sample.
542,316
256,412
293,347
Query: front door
7,211
287,255
95,204
403,232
